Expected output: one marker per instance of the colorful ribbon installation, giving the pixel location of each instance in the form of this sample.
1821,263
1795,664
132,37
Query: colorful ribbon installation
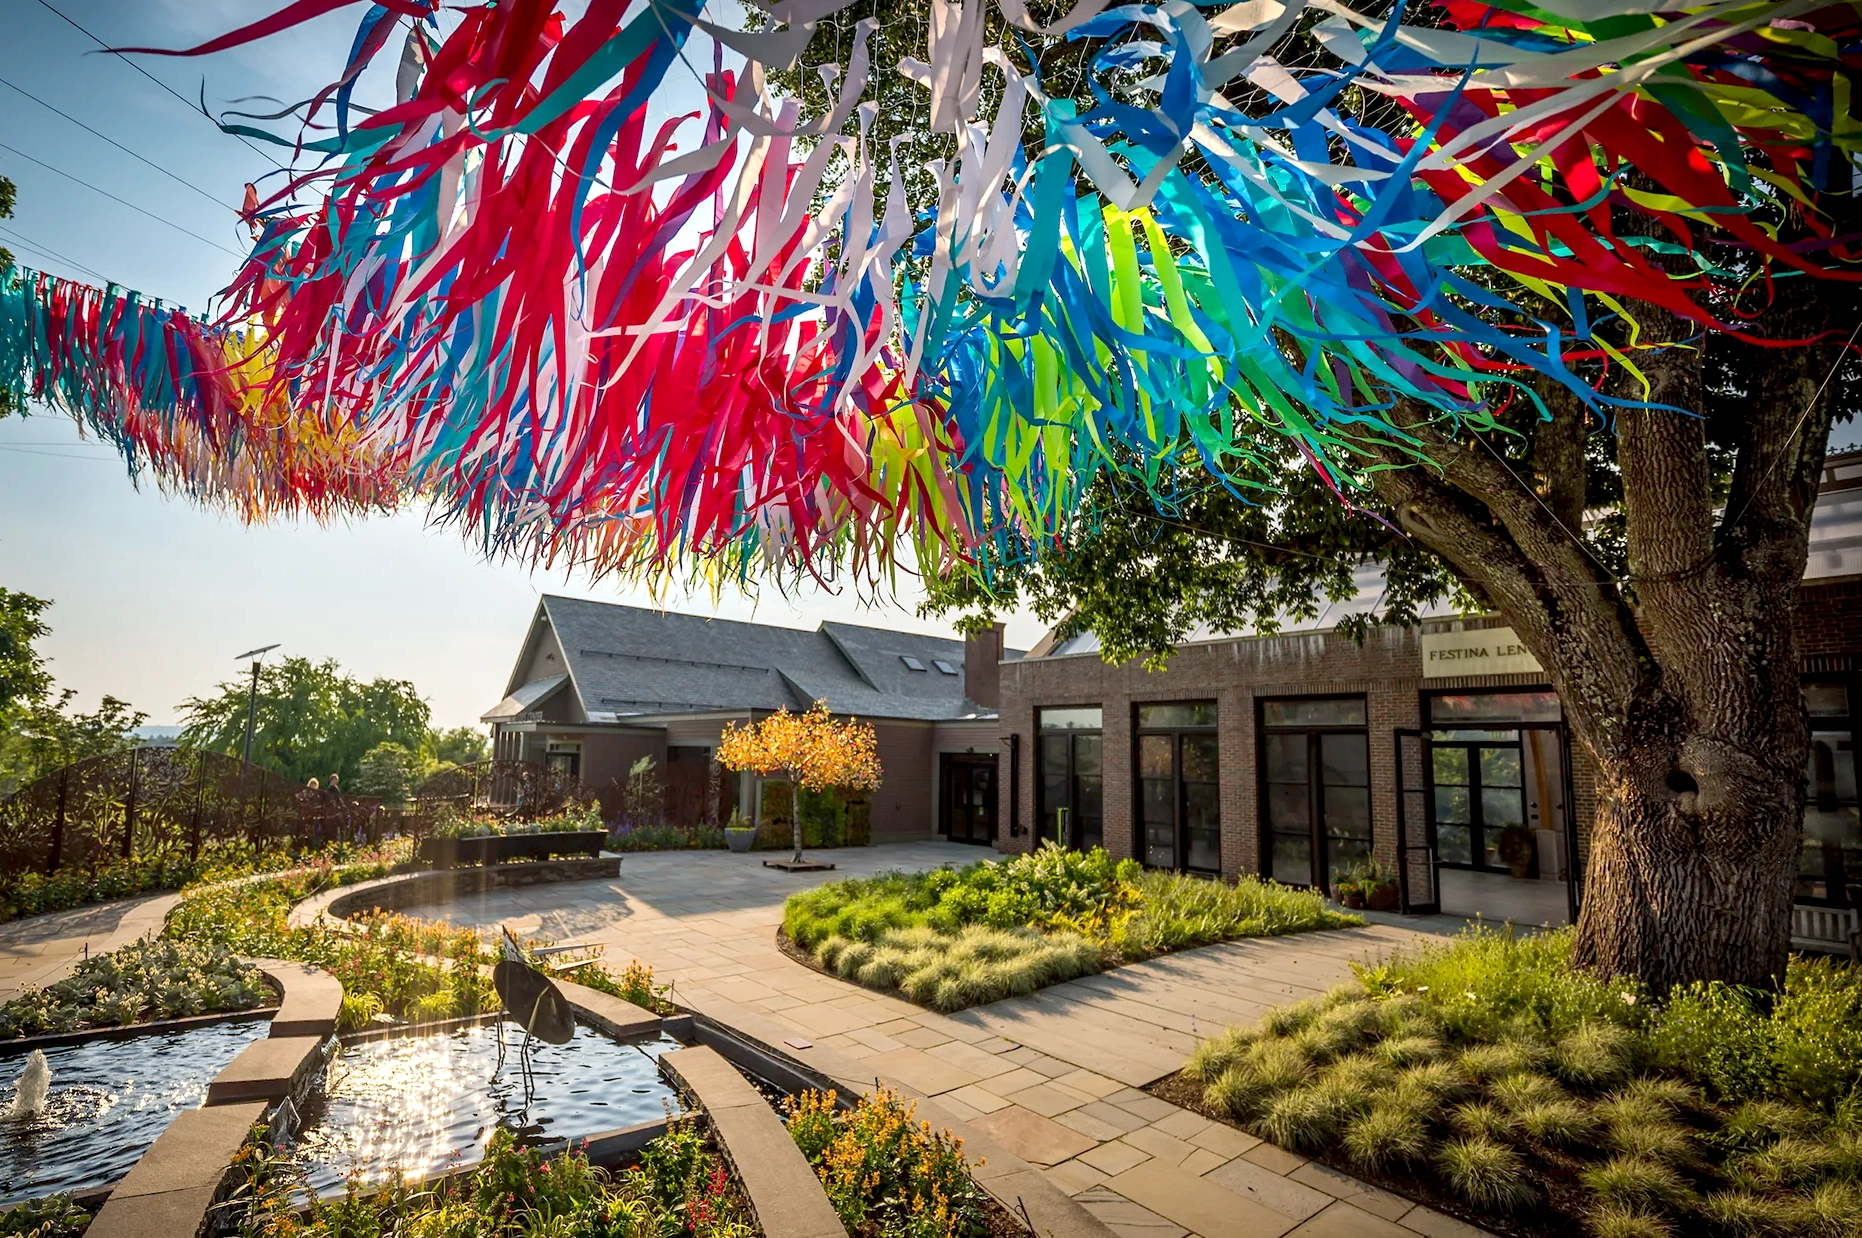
184,402
587,341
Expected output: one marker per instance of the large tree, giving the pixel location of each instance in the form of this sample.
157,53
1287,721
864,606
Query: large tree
311,719
1649,558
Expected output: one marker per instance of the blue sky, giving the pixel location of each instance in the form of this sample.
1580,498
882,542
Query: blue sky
153,596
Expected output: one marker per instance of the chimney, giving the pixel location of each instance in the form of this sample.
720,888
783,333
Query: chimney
982,666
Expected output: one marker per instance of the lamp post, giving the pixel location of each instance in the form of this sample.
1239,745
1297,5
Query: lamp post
252,704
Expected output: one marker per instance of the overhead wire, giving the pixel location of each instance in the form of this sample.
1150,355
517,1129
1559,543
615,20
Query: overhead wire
124,201
185,101
193,188
25,242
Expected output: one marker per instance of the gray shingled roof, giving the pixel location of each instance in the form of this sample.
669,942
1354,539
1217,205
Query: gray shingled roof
631,661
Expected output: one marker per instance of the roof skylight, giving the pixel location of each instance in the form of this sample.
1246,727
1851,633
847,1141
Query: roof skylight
944,666
911,663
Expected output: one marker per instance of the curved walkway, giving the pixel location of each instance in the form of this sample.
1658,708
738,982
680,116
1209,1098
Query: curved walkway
41,950
1055,1077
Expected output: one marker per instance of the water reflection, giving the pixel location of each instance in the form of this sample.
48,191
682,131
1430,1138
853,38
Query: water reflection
109,1100
416,1104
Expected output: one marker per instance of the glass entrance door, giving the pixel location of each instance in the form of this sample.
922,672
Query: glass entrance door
1479,793
1071,793
1316,784
968,797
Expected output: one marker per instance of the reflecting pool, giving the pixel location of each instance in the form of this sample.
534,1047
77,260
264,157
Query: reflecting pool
419,1103
109,1100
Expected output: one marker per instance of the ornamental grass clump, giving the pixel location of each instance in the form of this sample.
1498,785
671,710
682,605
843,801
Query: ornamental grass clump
1488,1074
887,1174
1074,912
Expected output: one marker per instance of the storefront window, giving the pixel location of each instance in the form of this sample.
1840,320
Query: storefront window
1315,788
1830,869
1071,794
1456,709
1178,800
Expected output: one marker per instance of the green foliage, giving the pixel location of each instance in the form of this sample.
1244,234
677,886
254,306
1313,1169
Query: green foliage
1805,1048
311,719
23,675
887,1175
413,969
1485,1172
679,1187
1480,982
50,1216
954,937
42,735
1488,1062
148,979
635,984
666,838
391,772
952,971
33,893
449,822
460,745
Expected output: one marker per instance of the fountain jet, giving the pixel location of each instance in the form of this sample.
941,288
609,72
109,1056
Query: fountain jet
34,1083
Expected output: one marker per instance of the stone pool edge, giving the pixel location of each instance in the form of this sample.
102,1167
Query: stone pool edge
174,1187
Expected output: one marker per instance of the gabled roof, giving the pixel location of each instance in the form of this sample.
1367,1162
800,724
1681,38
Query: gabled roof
630,661
525,698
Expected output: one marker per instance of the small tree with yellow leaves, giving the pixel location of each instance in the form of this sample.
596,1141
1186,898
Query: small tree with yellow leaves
813,751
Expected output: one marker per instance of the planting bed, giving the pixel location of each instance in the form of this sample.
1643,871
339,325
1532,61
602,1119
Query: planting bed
110,1099
1488,1078
950,939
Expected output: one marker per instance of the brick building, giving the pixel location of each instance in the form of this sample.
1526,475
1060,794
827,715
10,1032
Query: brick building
1437,749
597,686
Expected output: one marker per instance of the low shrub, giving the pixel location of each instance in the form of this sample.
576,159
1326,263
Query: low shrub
140,981
666,838
679,1186
1508,1079
166,868
955,937
887,1175
635,984
451,822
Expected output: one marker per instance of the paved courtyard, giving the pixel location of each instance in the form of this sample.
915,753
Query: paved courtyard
1056,1077
40,950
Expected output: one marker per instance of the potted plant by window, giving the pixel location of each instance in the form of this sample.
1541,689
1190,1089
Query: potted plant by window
738,836
1348,893
1379,885
1518,850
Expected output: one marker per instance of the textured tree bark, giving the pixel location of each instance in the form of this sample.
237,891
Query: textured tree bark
1683,687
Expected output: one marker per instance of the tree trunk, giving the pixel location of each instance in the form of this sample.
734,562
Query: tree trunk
1693,856
795,814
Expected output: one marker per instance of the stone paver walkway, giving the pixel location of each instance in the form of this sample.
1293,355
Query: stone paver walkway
40,950
1056,1077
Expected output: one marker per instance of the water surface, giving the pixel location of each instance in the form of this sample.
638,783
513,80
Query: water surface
416,1104
109,1100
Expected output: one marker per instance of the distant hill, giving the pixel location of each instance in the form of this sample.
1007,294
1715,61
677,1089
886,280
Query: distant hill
157,734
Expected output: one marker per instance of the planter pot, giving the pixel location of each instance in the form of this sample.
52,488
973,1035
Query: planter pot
1353,899
1382,897
739,841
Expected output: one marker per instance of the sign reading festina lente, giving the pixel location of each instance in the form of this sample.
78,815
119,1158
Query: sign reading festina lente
1489,651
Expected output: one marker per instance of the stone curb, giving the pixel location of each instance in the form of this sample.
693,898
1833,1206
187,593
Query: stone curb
313,998
1011,1181
173,1188
784,1193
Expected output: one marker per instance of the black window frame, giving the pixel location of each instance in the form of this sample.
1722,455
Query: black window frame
1477,829
1075,834
1847,891
1317,838
1179,795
